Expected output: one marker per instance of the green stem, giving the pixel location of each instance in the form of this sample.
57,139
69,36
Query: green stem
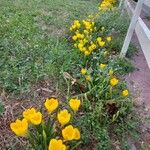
76,145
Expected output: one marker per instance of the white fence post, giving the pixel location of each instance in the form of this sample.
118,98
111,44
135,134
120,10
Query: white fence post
131,28
120,4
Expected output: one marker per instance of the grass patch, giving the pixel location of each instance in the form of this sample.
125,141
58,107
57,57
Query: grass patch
30,35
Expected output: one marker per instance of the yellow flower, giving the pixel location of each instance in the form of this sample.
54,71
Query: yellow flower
99,39
75,104
108,39
70,133
125,93
74,38
36,118
20,127
28,112
80,36
63,117
102,66
101,43
56,145
110,72
88,78
114,82
93,46
80,45
87,53
86,32
77,134
83,71
82,49
51,104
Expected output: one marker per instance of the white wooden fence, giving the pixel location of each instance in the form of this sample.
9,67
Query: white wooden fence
137,24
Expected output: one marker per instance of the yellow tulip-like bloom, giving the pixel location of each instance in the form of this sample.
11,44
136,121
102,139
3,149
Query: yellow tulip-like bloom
74,38
20,127
108,39
51,104
93,46
83,71
70,133
125,93
88,78
55,144
102,66
63,117
86,32
75,104
36,118
28,112
99,39
101,43
114,82
110,72
87,53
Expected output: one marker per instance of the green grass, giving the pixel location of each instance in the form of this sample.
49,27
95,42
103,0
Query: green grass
33,44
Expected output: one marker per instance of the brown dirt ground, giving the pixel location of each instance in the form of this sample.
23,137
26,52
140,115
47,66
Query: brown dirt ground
139,84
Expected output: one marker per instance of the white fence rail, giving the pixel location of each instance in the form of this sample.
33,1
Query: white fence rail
137,24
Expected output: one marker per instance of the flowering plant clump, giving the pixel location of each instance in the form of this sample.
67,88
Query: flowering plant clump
107,4
49,131
86,38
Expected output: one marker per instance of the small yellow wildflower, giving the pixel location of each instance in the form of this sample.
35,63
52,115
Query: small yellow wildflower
99,39
70,133
20,127
101,44
88,78
75,104
102,66
63,117
51,104
93,46
86,32
36,118
55,144
77,134
74,38
87,53
83,71
125,93
108,39
28,112
80,45
114,81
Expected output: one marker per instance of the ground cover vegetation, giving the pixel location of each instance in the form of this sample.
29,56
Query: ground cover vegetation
86,61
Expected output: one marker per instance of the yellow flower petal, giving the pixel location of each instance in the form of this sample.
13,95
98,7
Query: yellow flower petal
51,104
63,117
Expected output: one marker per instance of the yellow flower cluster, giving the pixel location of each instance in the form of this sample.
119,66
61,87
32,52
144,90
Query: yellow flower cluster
32,116
107,4
83,38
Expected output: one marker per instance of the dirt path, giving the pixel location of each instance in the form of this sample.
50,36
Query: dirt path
139,84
